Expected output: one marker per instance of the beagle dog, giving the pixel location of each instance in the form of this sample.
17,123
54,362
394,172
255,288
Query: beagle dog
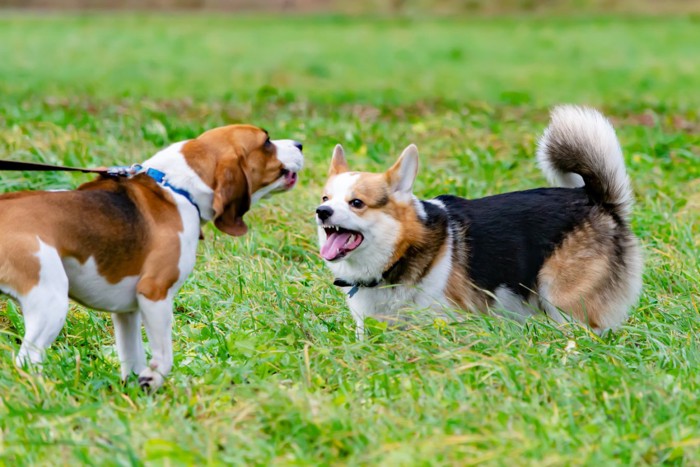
125,245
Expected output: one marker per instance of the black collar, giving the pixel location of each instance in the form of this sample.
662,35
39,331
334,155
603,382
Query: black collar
386,277
355,286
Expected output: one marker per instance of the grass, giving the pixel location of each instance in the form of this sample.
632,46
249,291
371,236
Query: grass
267,370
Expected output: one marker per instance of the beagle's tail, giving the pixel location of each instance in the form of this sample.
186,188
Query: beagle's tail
579,148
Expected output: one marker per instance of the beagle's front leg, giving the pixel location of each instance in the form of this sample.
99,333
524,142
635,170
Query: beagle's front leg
157,317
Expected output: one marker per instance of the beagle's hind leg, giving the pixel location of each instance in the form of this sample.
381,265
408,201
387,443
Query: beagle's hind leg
44,307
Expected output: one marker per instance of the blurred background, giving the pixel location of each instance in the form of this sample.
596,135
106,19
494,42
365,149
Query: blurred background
374,6
508,51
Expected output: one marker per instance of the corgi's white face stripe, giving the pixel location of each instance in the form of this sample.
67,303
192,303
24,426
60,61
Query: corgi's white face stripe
341,186
338,191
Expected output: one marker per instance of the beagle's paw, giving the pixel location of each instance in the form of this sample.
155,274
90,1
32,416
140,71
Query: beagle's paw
150,380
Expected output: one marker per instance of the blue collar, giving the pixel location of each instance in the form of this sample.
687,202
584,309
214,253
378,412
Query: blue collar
160,177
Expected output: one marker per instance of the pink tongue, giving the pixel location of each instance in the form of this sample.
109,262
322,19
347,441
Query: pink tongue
334,243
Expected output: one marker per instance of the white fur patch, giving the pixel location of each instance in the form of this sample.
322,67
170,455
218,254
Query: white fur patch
45,306
289,155
388,302
420,210
189,238
511,305
583,137
172,162
266,191
437,203
88,287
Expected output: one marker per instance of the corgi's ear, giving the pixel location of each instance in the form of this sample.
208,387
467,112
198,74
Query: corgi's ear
403,173
338,162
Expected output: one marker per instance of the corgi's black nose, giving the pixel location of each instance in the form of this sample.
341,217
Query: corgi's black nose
324,212
298,145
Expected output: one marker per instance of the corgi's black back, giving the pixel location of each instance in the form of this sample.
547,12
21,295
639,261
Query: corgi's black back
508,236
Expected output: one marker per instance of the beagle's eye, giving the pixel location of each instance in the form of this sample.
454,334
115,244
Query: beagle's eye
357,203
325,198
267,143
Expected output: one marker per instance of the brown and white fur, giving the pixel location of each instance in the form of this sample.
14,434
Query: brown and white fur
567,252
126,245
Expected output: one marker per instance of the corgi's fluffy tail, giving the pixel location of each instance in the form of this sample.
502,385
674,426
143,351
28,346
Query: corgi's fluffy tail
579,148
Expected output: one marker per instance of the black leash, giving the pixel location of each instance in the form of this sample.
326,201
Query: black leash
36,167
117,171
114,171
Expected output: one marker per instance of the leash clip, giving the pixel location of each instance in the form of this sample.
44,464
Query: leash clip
123,170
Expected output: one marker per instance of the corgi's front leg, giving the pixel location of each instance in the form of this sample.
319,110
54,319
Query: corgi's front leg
358,313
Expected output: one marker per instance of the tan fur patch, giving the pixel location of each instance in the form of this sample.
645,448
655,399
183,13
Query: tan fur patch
412,230
372,189
235,161
19,266
113,221
234,147
578,272
460,290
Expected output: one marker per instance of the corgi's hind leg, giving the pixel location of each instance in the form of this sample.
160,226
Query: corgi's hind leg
594,276
44,307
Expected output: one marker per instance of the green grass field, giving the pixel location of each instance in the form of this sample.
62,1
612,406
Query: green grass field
267,369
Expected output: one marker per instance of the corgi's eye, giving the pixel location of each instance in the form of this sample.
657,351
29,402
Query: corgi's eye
325,198
357,203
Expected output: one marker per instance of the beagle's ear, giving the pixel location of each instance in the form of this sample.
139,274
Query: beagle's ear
338,162
232,197
403,173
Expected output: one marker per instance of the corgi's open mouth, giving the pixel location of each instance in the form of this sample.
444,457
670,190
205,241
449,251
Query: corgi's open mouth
339,242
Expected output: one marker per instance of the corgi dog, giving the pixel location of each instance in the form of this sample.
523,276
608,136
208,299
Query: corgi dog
567,252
